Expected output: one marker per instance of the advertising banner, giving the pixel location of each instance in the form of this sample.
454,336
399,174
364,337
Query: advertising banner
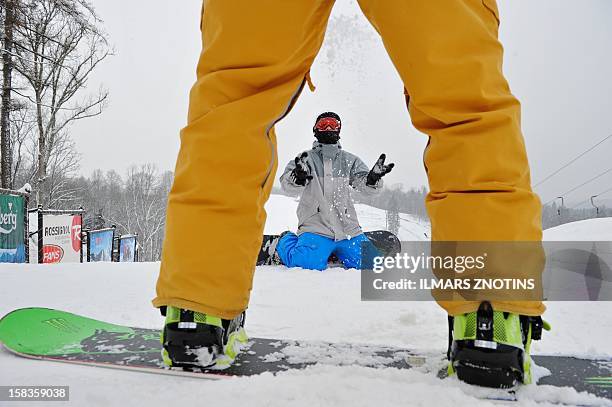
127,248
101,245
61,238
12,244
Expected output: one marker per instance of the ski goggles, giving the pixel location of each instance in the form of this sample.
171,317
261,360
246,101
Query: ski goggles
327,124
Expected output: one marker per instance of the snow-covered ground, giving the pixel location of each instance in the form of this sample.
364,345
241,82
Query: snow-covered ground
285,303
594,230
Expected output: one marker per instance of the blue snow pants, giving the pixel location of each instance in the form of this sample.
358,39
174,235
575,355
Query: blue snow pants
312,251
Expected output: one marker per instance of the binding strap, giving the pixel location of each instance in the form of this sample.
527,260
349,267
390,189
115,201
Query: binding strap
484,327
536,324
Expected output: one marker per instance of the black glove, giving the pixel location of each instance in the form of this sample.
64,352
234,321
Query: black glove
301,173
378,171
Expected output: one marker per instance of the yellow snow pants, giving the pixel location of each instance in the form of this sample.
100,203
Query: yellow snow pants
255,57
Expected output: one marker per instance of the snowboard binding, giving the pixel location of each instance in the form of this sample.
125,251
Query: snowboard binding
492,348
196,340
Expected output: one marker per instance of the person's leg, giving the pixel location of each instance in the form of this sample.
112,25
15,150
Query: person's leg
254,60
450,60
308,250
349,251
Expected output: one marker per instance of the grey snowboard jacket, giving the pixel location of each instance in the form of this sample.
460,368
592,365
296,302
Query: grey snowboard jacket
326,206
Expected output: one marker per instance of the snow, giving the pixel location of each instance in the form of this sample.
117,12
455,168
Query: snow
594,230
341,354
285,304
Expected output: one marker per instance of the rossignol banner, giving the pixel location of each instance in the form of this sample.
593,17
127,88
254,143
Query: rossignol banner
61,238
101,245
12,244
127,248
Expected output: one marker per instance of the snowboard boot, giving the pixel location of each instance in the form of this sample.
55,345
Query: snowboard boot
196,340
492,348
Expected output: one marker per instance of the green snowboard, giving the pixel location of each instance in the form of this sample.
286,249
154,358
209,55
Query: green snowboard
48,334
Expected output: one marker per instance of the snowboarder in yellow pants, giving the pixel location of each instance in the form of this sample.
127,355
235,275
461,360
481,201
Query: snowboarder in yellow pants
255,61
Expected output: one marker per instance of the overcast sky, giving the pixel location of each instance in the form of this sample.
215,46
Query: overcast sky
558,62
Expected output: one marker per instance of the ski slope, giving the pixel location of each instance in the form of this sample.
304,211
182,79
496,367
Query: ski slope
595,230
285,303
281,216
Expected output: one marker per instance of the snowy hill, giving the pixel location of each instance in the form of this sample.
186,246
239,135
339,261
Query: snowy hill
281,216
298,304
599,229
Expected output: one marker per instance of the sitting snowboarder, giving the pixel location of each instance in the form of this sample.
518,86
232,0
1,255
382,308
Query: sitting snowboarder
327,221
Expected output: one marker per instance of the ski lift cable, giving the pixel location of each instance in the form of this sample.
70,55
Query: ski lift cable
572,161
581,185
587,200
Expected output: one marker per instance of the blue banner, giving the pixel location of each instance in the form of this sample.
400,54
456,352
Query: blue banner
101,245
127,248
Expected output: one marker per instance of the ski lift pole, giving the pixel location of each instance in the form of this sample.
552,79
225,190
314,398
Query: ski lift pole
562,205
595,206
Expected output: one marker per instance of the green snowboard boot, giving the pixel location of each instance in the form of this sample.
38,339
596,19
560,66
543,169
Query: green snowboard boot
196,340
492,348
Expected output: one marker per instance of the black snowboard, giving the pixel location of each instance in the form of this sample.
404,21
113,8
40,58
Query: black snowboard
386,242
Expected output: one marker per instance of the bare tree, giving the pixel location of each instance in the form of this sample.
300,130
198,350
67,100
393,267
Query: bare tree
60,43
136,205
6,156
22,129
62,166
144,207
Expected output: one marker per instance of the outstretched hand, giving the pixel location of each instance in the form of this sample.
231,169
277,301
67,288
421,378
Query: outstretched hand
301,174
379,170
